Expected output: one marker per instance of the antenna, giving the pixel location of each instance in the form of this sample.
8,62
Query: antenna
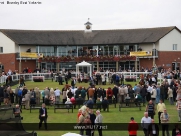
88,19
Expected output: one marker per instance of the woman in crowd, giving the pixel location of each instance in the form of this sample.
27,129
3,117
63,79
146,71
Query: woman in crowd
178,93
11,94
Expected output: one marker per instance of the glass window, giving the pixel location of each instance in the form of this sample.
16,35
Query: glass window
174,47
1,49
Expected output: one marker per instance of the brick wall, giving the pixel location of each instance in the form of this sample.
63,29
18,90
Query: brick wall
9,61
165,59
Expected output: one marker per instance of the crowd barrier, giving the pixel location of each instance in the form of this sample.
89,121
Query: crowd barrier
29,76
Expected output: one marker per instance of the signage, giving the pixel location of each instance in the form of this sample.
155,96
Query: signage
31,55
141,53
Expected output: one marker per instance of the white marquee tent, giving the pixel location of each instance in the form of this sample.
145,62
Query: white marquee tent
83,64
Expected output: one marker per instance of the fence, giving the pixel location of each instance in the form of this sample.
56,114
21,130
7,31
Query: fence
29,76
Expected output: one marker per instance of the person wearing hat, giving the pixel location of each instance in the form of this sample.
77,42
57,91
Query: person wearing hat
179,109
132,127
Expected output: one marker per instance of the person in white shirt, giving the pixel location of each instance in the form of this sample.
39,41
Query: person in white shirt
57,95
98,121
145,122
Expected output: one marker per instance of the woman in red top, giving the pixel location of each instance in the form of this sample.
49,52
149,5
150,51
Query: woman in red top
109,93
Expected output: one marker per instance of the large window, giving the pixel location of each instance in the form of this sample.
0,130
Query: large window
47,50
1,49
174,47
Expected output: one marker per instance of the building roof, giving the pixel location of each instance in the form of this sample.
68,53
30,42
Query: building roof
96,37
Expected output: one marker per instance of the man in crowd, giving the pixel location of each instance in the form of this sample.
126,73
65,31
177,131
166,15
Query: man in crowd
179,109
57,95
43,116
164,117
98,121
153,129
145,121
160,108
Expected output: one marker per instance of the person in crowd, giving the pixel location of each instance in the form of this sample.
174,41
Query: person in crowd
92,118
150,108
178,93
109,94
145,122
170,96
81,121
157,93
133,127
43,95
43,115
33,97
105,103
78,114
52,76
166,90
153,94
143,92
160,108
64,94
73,82
60,79
16,94
91,92
83,93
1,94
176,131
99,121
164,117
178,104
11,95
138,99
27,100
37,93
121,94
90,103
162,93
51,97
87,123
20,95
153,129
47,92
24,91
69,94
115,93
17,111
57,95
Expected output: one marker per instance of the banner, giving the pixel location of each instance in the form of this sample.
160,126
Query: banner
141,53
31,55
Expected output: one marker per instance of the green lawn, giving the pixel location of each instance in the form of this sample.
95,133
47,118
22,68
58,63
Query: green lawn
114,116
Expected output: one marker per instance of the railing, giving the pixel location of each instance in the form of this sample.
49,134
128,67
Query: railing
47,76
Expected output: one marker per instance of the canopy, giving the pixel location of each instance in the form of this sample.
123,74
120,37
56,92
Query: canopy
83,64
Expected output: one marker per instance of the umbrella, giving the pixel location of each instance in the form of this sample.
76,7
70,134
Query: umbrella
71,134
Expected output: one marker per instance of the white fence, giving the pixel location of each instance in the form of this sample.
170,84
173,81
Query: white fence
29,76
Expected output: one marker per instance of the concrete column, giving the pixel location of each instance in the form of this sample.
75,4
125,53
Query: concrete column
38,65
117,67
57,66
136,63
97,65
20,67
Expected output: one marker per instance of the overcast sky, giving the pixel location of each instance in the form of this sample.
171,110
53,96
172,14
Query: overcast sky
103,14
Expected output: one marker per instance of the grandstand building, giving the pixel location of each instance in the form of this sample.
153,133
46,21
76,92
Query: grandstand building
106,49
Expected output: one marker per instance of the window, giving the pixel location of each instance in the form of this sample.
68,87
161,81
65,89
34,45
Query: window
174,47
1,49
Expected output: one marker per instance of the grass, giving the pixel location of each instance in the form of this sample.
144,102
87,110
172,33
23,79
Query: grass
114,116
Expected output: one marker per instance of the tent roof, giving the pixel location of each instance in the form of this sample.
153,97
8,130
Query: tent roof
83,63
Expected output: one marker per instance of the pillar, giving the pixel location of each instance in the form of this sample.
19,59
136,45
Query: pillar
38,65
136,64
20,67
117,67
97,65
57,66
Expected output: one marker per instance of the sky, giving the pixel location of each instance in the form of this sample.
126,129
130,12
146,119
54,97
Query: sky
103,14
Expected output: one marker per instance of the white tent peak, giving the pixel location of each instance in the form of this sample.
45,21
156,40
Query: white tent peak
83,63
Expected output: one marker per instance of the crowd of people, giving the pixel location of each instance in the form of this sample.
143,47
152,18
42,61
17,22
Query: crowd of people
151,94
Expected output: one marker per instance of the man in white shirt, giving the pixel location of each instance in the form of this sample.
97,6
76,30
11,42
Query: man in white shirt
98,121
57,95
145,122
